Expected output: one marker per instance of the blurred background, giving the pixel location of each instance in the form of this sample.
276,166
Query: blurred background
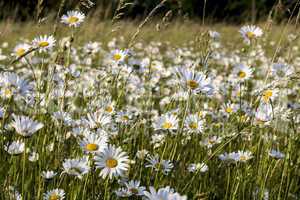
215,11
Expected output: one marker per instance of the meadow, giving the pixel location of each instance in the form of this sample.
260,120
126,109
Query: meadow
164,111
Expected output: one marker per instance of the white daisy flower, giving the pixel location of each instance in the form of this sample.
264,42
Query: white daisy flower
73,18
93,143
21,49
241,156
44,43
48,174
202,167
195,81
33,156
76,167
15,148
282,70
276,154
269,95
118,56
97,120
210,141
12,85
194,124
229,109
242,72
113,162
56,194
134,188
165,193
250,32
158,164
25,126
166,122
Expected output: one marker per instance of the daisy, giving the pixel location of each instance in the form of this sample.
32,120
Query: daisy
73,18
166,122
25,126
48,174
33,156
194,124
118,56
76,167
92,47
93,143
15,148
241,156
56,194
282,70
134,188
269,95
21,49
161,194
123,117
113,162
250,32
224,157
195,81
214,35
158,164
122,192
229,109
276,154
242,72
209,142
63,117
202,167
108,107
44,43
97,120
12,85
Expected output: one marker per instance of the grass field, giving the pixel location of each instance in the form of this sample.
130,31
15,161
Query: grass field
177,112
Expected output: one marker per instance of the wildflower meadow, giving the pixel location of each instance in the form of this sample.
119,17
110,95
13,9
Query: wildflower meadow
150,110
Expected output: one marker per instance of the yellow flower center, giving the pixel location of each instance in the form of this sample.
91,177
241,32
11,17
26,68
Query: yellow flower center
44,44
193,125
20,52
73,19
192,84
7,92
211,141
243,158
111,163
117,56
167,125
109,109
242,74
267,95
229,110
54,197
92,147
134,190
250,34
125,118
